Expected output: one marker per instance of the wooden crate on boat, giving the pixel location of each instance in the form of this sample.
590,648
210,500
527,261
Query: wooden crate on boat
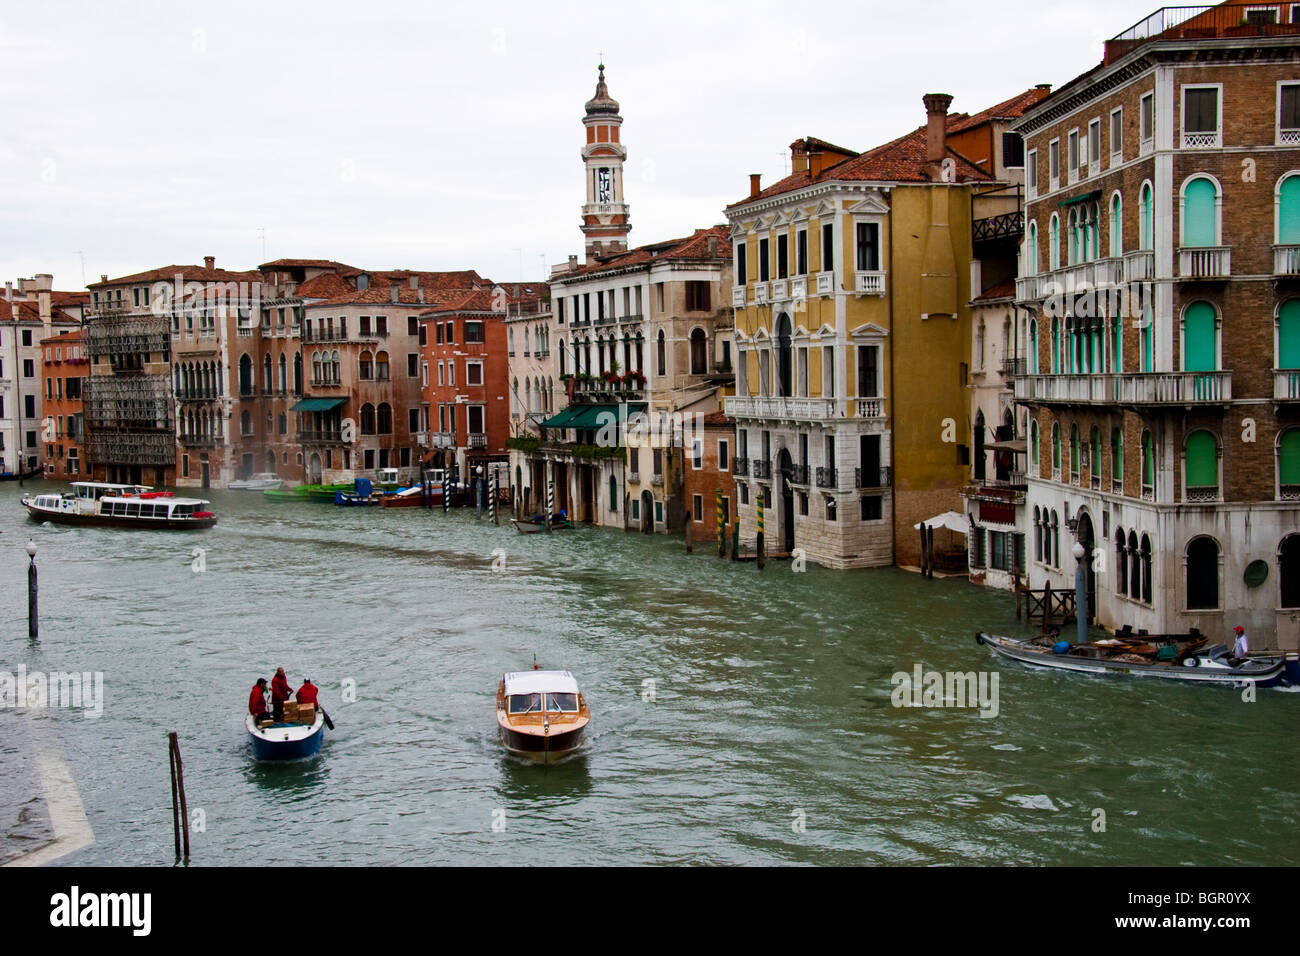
290,710
306,714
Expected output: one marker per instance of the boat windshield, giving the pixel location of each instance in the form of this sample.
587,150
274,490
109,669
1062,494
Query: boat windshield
565,703
523,703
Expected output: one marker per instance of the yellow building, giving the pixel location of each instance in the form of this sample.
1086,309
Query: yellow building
853,278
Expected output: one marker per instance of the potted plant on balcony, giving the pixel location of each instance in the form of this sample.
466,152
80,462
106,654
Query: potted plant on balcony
634,380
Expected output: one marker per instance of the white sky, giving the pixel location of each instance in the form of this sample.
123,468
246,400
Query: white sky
446,135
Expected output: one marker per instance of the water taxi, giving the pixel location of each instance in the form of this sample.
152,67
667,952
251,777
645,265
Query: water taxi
119,506
540,714
414,496
259,482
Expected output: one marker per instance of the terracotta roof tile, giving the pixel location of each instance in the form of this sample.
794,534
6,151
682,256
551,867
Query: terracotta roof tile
1013,108
187,274
1004,289
694,246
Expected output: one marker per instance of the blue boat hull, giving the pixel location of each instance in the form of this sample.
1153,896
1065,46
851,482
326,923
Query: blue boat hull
301,741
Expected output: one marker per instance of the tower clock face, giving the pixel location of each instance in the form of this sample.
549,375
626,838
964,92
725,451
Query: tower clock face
604,185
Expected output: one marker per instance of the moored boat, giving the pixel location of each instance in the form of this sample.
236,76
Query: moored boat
538,523
260,482
416,495
120,506
286,741
541,715
1187,658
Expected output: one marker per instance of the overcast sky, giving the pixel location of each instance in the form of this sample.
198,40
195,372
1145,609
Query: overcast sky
447,136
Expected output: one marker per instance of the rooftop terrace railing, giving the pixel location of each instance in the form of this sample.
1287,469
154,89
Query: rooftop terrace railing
1206,22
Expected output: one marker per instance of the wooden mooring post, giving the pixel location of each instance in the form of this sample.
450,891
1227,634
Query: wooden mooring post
180,810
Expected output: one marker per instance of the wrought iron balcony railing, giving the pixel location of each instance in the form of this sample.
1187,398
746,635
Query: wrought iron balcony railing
872,477
828,477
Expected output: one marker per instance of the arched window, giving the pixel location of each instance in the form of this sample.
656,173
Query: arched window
1038,534
297,373
1148,340
1056,346
245,423
1288,210
385,418
661,354
284,424
613,493
1074,453
1201,467
564,361
284,373
1144,556
1202,574
1056,540
1033,347
381,366
1200,338
1054,243
1116,226
700,353
1148,466
1200,212
245,375
1094,459
1031,250
367,419
1056,450
1117,456
1035,461
1288,567
1146,220
266,374
1072,236
1288,464
366,365
1288,339
335,367
316,376
1121,562
1134,567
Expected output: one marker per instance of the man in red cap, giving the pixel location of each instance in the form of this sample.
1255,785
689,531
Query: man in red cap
257,701
1241,648
280,692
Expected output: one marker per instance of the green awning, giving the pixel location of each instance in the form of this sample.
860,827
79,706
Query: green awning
317,404
593,417
561,420
1095,194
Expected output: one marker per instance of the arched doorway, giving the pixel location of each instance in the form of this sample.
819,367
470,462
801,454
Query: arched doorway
647,512
784,356
313,469
1088,539
786,469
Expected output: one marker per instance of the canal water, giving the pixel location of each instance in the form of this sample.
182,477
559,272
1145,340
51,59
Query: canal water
738,716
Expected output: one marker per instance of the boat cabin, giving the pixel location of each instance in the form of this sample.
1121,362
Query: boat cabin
94,490
541,692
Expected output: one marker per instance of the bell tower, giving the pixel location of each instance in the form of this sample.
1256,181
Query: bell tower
605,214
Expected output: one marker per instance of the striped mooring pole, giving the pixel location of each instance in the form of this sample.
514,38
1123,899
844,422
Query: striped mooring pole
492,495
550,501
446,490
761,557
722,527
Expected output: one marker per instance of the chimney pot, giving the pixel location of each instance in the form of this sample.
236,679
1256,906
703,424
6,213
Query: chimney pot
209,262
573,263
393,292
713,247
936,133
754,187
103,277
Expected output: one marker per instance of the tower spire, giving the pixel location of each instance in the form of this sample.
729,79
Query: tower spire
605,222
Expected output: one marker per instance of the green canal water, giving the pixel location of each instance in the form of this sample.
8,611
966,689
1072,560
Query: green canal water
738,716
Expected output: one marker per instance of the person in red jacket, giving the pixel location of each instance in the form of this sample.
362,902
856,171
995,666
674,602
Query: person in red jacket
280,692
257,701
307,692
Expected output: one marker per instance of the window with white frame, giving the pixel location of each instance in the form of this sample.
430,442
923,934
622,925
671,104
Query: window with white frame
1094,147
1031,174
1054,165
724,454
1117,136
1147,123
1202,116
1288,109
473,373
1072,155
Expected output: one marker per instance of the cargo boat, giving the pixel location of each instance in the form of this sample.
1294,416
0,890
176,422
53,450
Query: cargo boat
285,740
540,714
120,506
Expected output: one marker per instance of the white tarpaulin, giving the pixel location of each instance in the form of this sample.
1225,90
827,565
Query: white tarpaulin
951,520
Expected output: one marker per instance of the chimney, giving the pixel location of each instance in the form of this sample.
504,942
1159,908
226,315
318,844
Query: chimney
573,263
103,277
209,262
754,187
415,282
393,291
798,156
816,161
713,247
44,282
420,293
9,291
936,134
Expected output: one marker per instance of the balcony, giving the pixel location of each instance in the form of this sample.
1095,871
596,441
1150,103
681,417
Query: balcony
828,477
871,408
1012,367
826,283
869,283
657,480
1148,492
761,467
799,288
798,474
328,436
740,466
477,441
1139,265
1201,493
633,478
1199,23
871,477
1286,385
1133,388
444,439
1109,271
1209,139
780,289
738,297
791,409
1207,262
1286,260
760,293
1117,486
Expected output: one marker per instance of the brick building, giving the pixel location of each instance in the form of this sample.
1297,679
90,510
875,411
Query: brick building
1161,267
707,472
63,374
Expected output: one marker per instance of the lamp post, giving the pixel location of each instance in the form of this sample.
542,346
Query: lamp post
1080,591
32,615
478,492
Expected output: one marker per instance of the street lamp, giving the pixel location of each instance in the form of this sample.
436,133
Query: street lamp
32,616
